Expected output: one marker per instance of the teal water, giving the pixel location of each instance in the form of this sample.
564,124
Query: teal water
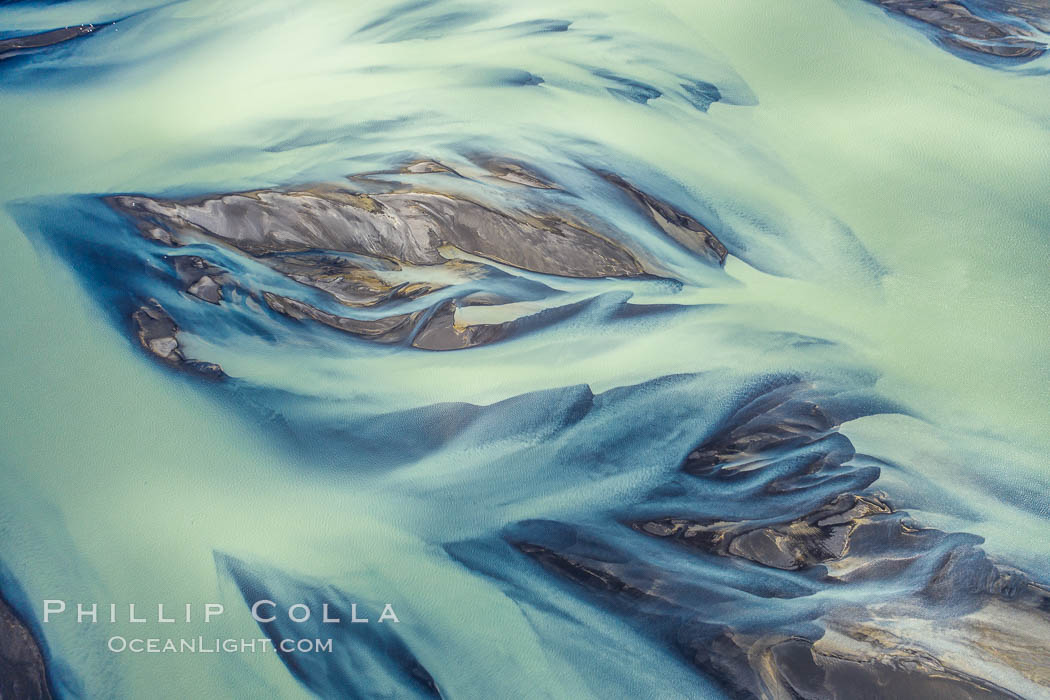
875,192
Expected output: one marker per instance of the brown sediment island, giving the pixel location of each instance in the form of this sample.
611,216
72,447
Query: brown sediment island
938,618
158,334
16,45
961,25
23,674
371,249
403,227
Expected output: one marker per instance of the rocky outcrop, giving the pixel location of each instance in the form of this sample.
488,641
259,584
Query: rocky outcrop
199,277
874,605
851,657
395,245
439,332
684,229
991,28
443,333
362,281
835,667
418,167
391,329
23,675
815,538
158,334
514,171
1034,12
783,418
405,227
848,652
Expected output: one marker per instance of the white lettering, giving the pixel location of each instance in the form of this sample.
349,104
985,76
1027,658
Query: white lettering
212,609
255,611
304,618
82,613
51,609
388,614
325,617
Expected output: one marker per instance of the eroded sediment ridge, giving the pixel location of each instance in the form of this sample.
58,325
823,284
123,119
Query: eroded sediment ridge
944,600
1012,30
358,247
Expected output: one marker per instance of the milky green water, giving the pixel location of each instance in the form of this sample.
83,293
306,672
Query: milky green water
119,482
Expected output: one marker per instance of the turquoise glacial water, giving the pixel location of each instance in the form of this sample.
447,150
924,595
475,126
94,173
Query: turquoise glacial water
877,194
